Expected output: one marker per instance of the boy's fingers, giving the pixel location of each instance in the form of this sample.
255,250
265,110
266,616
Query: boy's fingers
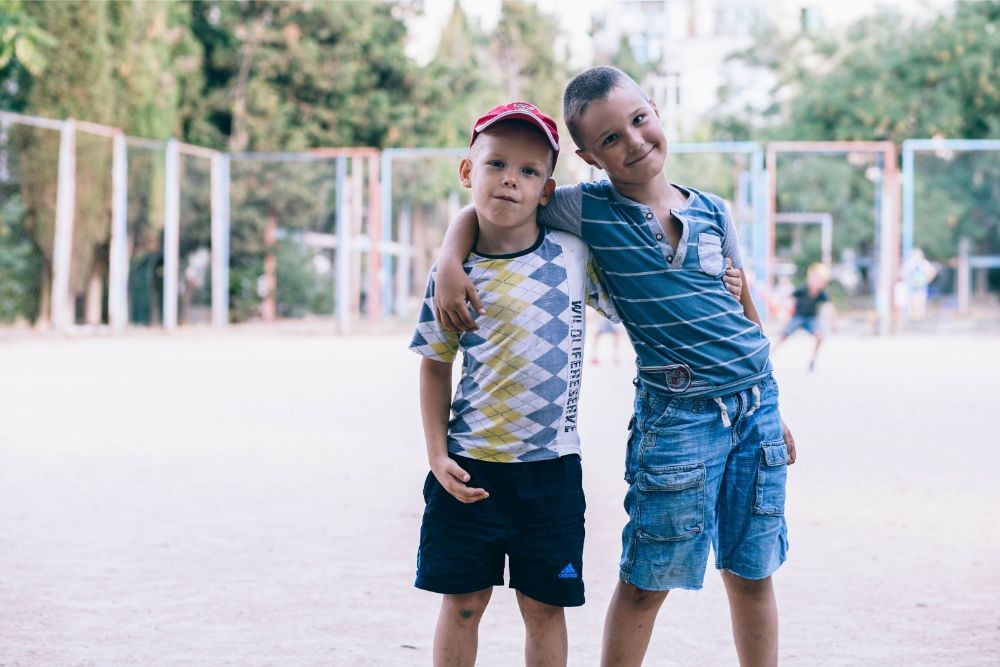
468,495
473,296
729,263
457,471
461,317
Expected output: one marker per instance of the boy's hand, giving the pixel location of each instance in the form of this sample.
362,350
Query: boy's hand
452,291
453,478
733,280
789,441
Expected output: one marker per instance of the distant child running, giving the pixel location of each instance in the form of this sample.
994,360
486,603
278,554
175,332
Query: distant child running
806,314
504,452
707,452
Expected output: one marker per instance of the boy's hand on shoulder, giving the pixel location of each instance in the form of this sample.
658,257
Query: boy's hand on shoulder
453,290
453,478
789,441
733,279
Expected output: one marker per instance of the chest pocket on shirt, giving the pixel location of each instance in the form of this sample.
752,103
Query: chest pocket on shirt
710,254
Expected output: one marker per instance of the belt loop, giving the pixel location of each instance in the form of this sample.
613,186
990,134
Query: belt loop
723,412
755,390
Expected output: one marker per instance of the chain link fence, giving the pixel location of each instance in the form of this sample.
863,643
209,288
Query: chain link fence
101,229
833,204
28,176
950,266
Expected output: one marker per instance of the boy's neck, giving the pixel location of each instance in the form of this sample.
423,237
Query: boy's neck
657,192
495,240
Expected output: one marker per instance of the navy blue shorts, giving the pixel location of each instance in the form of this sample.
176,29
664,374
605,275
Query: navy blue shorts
533,517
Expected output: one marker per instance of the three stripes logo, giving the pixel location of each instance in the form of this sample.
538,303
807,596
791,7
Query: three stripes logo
568,572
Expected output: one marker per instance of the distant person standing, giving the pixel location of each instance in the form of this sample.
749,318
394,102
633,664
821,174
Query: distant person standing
805,314
917,273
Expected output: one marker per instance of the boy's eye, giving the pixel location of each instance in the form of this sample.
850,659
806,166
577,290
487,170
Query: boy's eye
530,171
498,164
610,139
638,119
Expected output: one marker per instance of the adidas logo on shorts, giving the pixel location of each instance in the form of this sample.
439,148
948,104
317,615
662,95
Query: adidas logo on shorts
568,572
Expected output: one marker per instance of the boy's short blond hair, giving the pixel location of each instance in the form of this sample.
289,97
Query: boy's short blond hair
818,271
589,86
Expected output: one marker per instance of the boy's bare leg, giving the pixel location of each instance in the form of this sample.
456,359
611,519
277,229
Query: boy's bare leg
456,638
819,341
545,643
755,619
629,625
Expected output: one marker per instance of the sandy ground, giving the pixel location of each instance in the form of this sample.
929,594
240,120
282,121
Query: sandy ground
254,499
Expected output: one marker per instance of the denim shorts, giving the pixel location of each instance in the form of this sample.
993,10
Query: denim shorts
533,519
704,472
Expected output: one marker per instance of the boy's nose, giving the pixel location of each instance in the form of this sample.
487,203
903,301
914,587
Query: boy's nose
509,180
635,140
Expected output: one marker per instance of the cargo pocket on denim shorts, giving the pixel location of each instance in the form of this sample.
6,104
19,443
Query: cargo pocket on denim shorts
671,504
710,254
772,471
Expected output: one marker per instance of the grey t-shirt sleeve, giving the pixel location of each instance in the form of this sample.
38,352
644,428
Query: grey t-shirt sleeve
564,210
731,241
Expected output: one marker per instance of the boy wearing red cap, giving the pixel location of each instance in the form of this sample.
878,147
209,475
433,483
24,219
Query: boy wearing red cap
504,453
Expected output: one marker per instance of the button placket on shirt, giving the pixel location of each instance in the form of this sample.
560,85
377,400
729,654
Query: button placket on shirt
658,235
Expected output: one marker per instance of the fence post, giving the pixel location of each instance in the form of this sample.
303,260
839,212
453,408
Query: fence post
62,247
963,278
385,209
171,234
405,264
343,272
888,237
220,239
374,298
909,197
118,261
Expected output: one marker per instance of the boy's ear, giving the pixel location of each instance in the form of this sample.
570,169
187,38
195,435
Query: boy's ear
547,190
588,158
465,172
655,109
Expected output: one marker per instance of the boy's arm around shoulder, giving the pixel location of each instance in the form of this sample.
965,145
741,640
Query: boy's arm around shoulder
435,408
455,292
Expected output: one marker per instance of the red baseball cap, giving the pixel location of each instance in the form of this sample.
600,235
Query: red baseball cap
520,111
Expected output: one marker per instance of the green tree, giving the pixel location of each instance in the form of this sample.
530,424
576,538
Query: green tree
888,79
526,60
295,75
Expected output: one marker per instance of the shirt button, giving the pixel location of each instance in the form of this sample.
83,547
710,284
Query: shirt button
649,215
659,237
670,258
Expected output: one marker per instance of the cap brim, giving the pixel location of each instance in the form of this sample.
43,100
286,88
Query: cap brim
515,114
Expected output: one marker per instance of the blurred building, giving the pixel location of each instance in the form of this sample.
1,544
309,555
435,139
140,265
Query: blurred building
685,43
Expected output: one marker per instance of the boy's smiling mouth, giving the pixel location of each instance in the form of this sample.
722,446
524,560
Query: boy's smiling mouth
641,157
505,198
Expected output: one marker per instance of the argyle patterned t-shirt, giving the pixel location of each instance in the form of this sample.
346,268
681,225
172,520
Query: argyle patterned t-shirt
519,392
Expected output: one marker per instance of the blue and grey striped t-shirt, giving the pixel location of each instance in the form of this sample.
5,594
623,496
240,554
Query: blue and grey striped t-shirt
689,334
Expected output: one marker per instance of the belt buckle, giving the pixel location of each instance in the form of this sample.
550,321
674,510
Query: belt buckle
677,377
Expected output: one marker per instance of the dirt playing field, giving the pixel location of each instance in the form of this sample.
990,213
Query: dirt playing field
253,498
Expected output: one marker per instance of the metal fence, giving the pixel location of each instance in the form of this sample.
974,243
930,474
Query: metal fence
950,264
100,229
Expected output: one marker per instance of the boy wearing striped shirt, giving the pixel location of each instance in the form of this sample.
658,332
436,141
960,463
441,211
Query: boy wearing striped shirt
707,450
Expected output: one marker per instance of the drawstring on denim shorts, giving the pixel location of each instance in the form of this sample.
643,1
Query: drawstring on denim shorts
724,412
